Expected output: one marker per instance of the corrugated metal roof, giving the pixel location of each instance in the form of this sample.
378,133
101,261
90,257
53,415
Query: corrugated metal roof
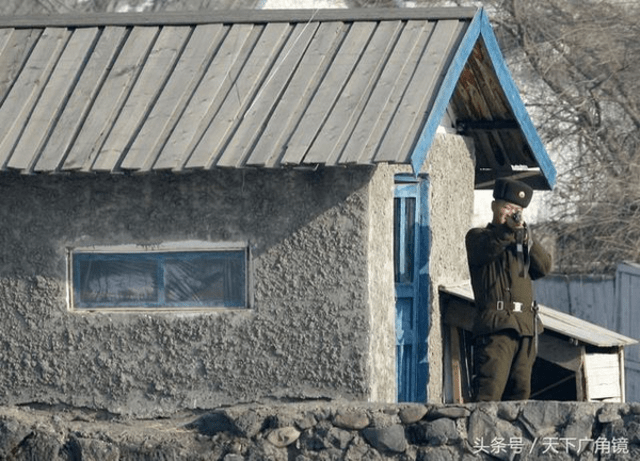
559,322
265,89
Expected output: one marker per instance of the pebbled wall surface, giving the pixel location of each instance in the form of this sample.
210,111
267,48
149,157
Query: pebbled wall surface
451,170
308,335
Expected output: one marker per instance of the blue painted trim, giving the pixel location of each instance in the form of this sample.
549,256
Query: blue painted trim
480,27
424,297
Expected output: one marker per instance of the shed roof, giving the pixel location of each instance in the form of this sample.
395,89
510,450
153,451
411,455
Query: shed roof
258,88
559,322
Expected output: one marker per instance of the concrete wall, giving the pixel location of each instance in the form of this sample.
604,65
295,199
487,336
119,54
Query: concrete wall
382,348
451,168
309,335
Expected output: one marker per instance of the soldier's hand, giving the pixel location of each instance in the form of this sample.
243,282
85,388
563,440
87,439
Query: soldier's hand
511,222
507,214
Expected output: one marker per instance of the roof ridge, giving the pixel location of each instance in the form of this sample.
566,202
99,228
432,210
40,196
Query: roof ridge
235,16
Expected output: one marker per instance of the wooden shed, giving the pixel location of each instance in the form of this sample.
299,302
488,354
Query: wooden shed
577,360
206,209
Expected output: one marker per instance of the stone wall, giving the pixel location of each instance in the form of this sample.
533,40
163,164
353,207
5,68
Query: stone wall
533,430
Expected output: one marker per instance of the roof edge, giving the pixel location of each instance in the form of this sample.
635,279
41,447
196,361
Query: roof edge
517,105
449,83
234,16
480,28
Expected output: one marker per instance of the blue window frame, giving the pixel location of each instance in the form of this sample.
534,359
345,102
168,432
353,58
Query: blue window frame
198,278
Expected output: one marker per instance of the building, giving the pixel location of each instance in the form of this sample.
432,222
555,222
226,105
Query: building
206,209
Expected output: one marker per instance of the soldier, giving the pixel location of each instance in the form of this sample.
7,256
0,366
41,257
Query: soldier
503,260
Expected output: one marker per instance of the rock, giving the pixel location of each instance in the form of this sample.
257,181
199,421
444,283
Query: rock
212,423
449,412
634,408
11,434
233,457
481,426
283,436
541,418
354,420
494,434
579,428
306,422
390,438
508,411
262,449
630,430
437,454
92,450
608,414
440,432
360,450
246,424
331,454
412,414
339,438
38,446
315,438
382,419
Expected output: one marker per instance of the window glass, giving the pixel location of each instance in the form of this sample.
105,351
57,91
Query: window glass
116,280
404,238
205,279
160,279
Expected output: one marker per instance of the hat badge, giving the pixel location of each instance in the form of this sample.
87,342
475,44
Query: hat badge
521,194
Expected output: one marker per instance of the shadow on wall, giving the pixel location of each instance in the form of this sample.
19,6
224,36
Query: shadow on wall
42,215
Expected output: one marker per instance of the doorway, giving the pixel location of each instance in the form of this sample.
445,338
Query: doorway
411,270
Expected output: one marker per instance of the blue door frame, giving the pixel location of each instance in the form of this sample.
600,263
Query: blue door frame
411,256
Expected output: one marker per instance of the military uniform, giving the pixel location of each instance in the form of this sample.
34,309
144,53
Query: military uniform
501,276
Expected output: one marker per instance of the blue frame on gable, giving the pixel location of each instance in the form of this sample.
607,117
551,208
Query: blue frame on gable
480,29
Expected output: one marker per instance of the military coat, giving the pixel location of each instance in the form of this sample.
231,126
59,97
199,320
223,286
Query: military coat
498,281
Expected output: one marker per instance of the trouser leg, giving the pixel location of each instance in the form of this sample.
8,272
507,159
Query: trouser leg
493,356
519,383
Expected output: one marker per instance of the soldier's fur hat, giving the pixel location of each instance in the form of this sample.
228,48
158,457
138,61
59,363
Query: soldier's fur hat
512,191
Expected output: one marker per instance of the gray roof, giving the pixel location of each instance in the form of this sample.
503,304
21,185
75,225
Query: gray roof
30,7
559,322
113,93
